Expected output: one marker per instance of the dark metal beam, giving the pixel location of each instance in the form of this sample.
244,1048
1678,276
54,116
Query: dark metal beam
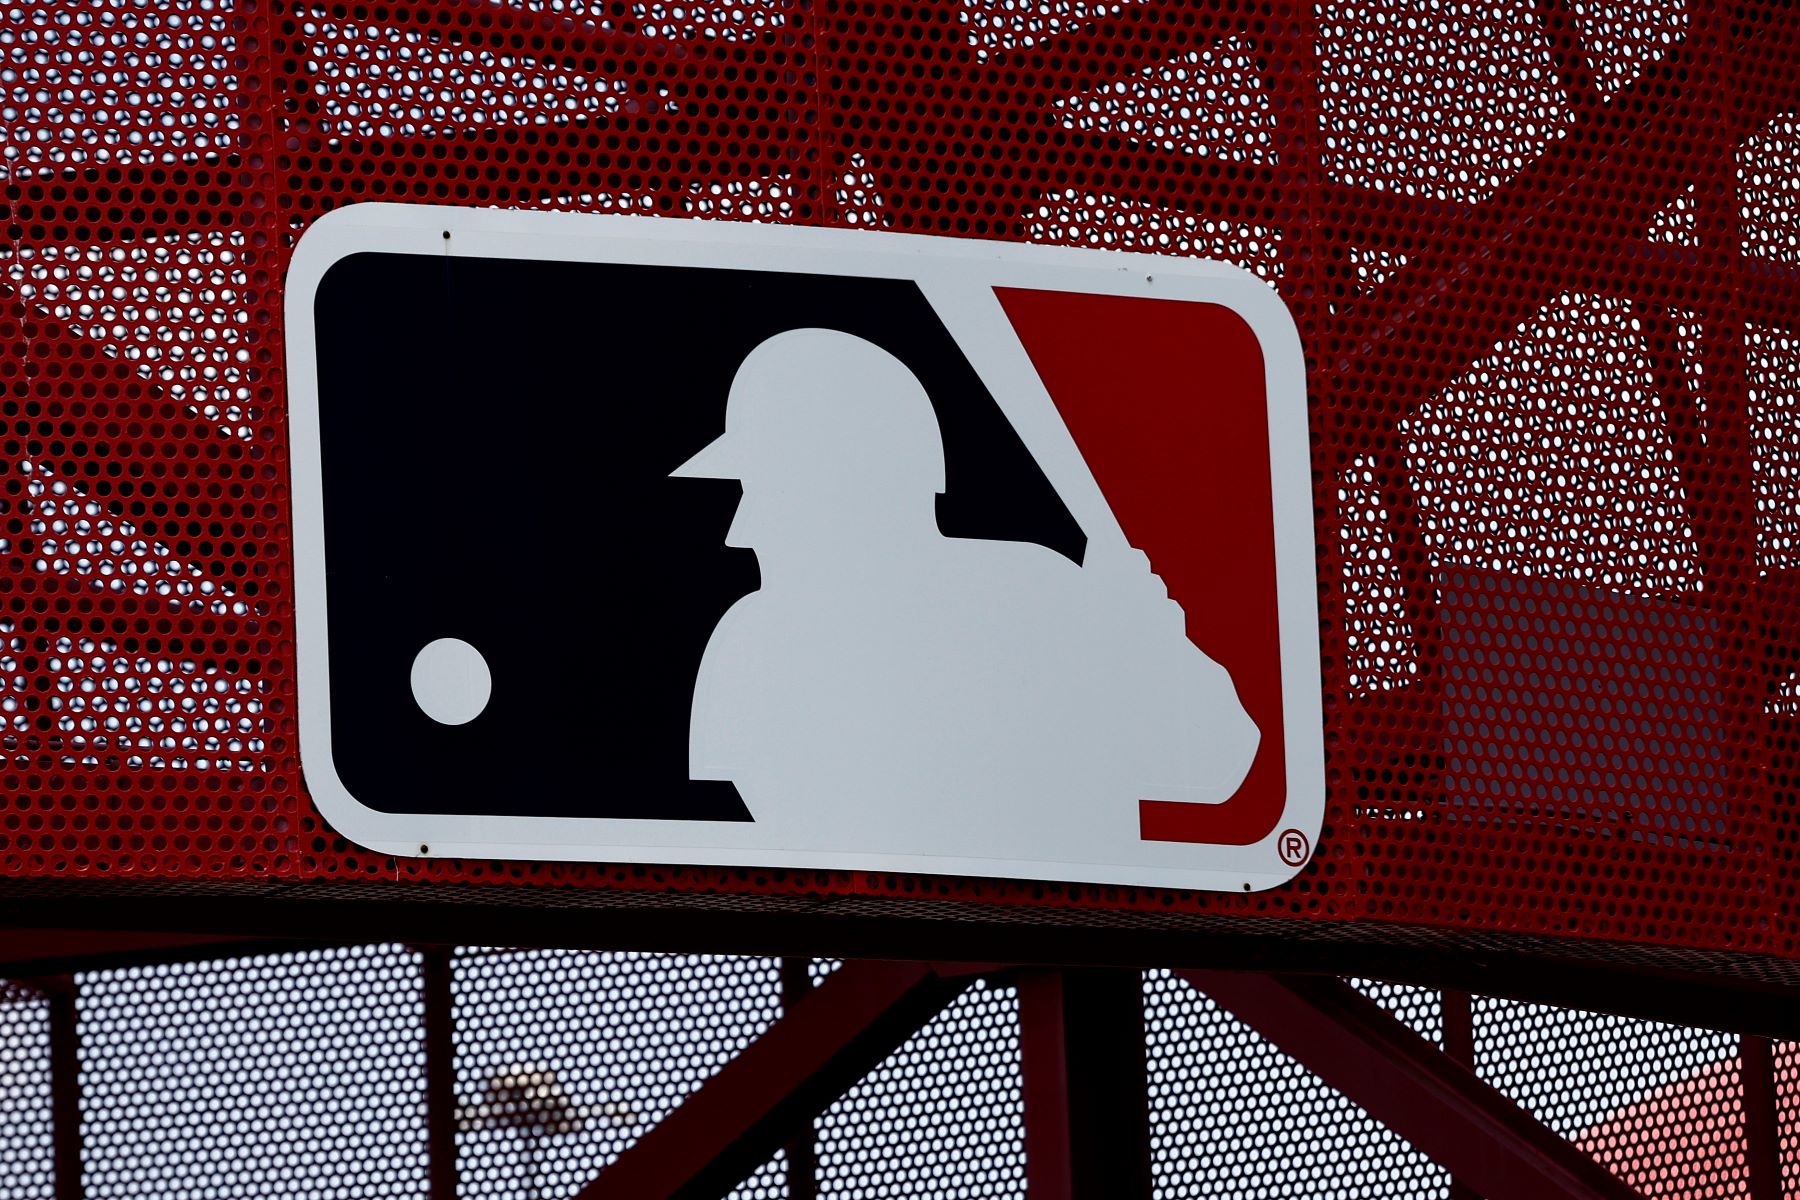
1087,1124
438,1002
802,1148
107,950
1736,991
27,951
1762,1121
1044,1079
813,1054
65,1086
1412,1087
1459,1045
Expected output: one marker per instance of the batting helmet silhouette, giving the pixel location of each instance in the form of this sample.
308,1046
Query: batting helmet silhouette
814,401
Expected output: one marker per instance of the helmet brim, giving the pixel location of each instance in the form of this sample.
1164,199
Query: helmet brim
718,460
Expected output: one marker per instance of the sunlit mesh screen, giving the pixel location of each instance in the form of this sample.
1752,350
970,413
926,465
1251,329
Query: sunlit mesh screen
564,1059
1660,1105
297,1074
1232,1116
943,1115
28,1169
1543,260
304,1075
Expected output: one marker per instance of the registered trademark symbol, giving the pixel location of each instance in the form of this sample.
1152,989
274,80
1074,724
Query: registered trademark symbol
1293,847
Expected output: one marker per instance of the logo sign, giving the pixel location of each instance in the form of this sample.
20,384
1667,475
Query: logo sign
640,540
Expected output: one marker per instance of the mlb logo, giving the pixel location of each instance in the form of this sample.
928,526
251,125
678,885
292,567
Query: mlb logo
641,540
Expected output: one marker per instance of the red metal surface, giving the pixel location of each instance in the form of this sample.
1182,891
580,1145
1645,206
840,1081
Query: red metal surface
1412,1087
1543,261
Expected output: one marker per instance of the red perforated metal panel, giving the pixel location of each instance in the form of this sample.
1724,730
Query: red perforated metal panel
1543,262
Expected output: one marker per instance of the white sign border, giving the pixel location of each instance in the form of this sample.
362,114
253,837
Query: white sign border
935,263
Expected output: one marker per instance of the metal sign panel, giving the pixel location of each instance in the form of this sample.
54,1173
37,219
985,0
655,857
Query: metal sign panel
890,553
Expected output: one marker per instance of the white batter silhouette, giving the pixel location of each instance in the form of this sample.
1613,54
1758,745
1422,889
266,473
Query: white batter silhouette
890,686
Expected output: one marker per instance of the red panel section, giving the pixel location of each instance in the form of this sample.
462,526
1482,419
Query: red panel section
1168,404
1545,267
